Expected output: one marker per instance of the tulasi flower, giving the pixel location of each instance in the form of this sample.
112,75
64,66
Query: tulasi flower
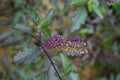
54,41
72,44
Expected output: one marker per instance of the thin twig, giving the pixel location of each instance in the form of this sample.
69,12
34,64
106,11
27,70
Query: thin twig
49,67
47,54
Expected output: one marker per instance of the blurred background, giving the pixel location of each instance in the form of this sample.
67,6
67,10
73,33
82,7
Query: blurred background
96,21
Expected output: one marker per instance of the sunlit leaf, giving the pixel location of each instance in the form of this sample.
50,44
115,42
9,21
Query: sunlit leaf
74,76
97,11
79,18
86,31
90,7
78,2
47,34
48,19
36,17
93,6
66,64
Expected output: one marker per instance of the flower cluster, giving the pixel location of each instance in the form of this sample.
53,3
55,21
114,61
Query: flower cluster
72,44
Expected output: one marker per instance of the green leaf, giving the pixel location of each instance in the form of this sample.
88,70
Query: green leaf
80,16
107,41
42,76
118,77
47,34
67,5
74,76
51,73
27,56
48,19
116,6
97,10
90,7
78,2
86,31
5,35
66,64
93,5
36,17
19,3
12,40
5,63
17,17
50,15
22,74
23,28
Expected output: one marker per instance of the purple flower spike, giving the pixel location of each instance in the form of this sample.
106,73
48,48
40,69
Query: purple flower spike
74,39
54,41
72,44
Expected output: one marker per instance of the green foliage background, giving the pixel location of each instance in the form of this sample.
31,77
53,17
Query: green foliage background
93,20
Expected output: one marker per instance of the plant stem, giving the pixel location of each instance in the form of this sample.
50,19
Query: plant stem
47,54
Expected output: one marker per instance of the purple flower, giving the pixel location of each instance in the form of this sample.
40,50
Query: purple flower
54,41
74,39
72,44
